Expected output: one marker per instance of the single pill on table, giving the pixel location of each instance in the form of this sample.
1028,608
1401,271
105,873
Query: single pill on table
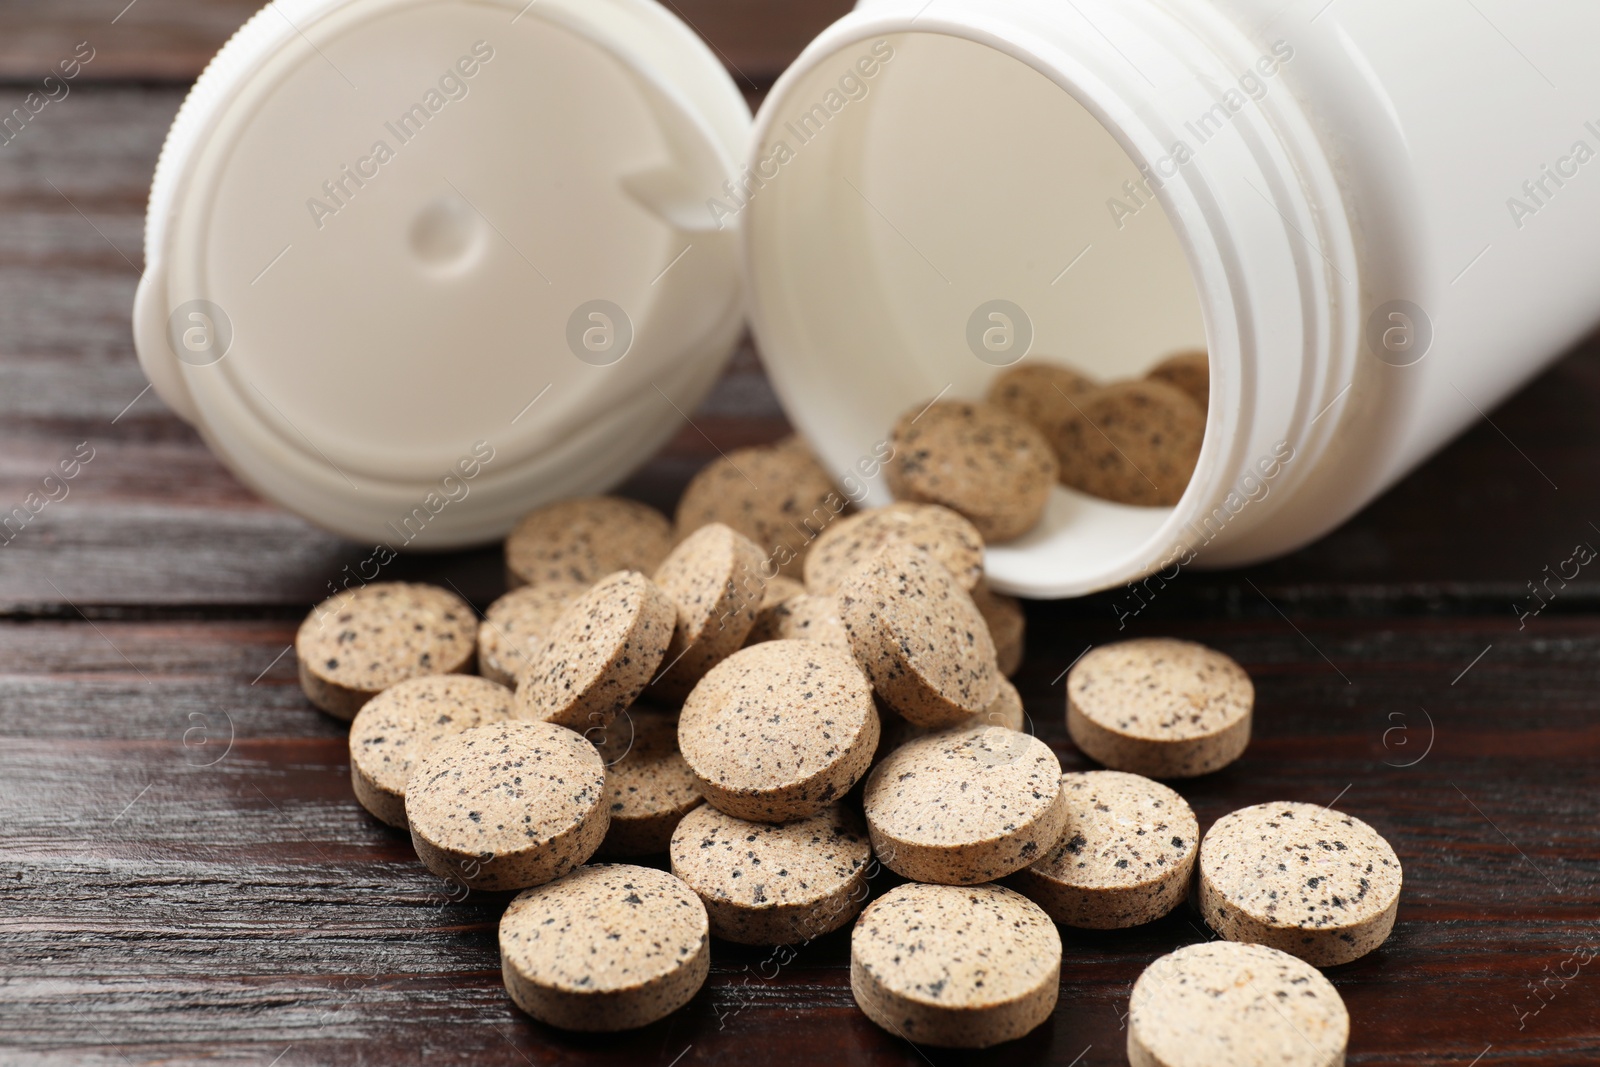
600,655
583,540
854,539
774,883
401,724
802,618
1008,626
954,966
1042,394
649,786
1240,1005
714,578
1307,880
513,632
1134,442
1159,707
964,806
1189,371
608,947
359,642
507,805
1123,858
976,459
919,637
776,495
779,730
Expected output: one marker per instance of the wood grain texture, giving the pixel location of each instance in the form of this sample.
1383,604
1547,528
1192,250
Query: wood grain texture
184,873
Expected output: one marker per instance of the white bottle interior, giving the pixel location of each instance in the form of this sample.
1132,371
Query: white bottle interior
956,175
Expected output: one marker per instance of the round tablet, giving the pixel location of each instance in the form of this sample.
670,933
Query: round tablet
1007,626
1006,712
1242,1005
602,652
1041,394
802,618
581,541
919,637
774,594
1159,707
1133,442
649,787
507,805
778,496
965,806
1124,856
854,539
1313,882
957,967
359,642
714,578
1189,371
608,947
977,459
513,632
774,883
393,730
779,730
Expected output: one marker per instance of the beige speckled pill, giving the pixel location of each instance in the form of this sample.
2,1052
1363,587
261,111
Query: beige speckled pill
956,967
1134,442
1189,371
583,540
1006,712
774,883
649,787
714,578
1310,881
396,727
601,653
803,618
977,459
1240,1005
1008,626
1041,394
1123,858
854,539
507,805
919,637
965,806
359,642
514,630
779,730
1159,707
774,593
608,947
778,496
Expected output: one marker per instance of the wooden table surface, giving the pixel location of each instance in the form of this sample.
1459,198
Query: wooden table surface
185,876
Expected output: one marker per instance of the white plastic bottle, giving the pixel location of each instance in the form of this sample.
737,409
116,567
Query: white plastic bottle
1379,218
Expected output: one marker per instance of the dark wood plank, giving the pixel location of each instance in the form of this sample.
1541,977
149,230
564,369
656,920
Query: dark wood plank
258,908
173,40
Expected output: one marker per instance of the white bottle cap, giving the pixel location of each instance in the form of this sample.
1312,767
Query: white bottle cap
414,267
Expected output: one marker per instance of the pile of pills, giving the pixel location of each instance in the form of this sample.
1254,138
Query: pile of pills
776,696
1131,442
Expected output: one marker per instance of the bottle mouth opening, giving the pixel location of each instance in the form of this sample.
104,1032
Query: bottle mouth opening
926,210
